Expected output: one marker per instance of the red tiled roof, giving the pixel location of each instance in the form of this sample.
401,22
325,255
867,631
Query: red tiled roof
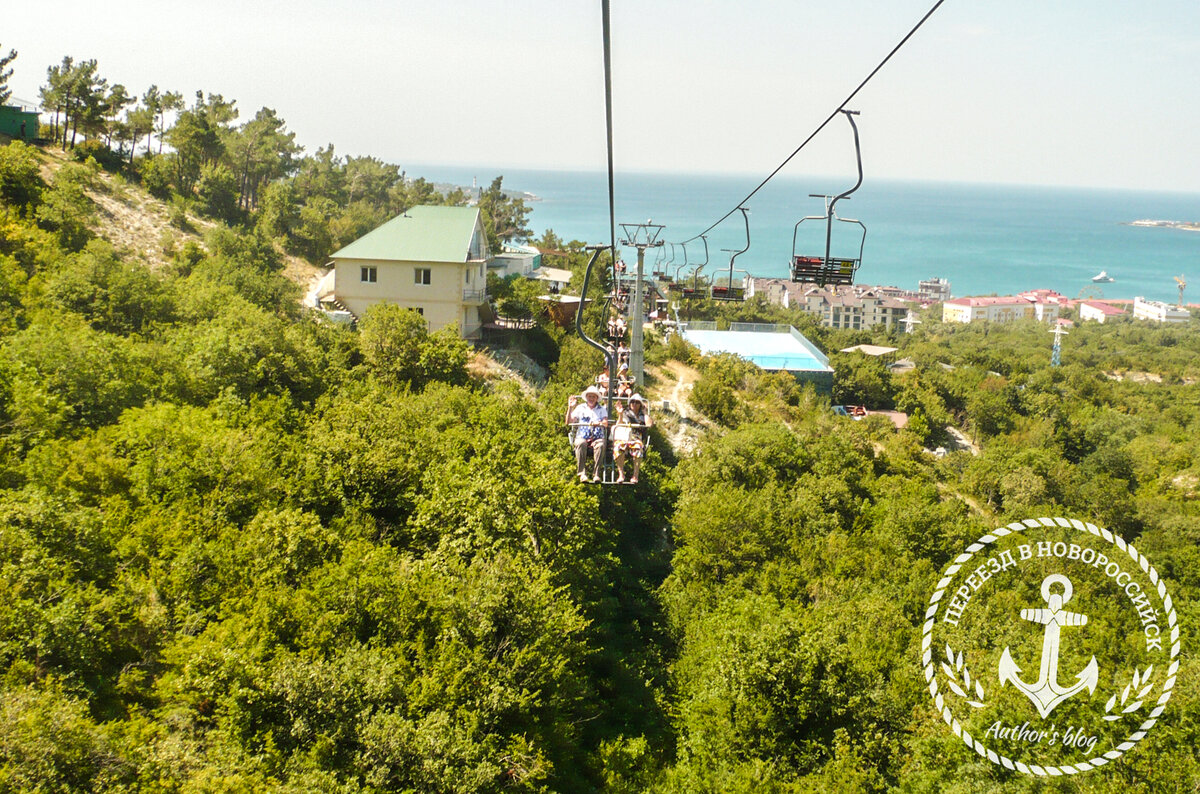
1103,307
991,300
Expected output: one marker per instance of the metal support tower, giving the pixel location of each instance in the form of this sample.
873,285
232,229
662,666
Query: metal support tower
640,236
1056,354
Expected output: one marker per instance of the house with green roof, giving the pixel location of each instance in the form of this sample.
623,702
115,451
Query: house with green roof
430,259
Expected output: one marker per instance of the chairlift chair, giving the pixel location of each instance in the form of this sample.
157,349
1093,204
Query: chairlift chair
674,284
729,292
695,290
659,268
694,277
608,466
828,269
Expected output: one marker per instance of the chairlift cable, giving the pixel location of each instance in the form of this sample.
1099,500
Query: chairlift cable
815,132
612,215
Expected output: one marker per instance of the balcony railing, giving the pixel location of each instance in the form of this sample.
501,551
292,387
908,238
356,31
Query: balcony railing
474,295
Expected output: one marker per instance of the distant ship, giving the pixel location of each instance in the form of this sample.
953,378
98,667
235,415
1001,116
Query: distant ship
1102,278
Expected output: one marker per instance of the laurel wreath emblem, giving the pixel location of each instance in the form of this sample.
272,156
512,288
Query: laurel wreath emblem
1130,689
956,674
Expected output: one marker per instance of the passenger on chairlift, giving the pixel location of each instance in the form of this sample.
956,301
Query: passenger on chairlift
630,443
589,421
624,382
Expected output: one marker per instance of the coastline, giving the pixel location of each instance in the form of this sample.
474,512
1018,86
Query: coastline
1187,226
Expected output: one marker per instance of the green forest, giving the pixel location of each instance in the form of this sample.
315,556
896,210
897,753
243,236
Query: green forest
245,550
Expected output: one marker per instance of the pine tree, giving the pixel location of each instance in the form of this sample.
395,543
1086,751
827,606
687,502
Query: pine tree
5,73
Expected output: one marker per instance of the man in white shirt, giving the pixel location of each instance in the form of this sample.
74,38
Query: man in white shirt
590,422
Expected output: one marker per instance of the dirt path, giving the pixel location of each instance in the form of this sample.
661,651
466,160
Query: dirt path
685,379
962,441
970,502
682,426
304,274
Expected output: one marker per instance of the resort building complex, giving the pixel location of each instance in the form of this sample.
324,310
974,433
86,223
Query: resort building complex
1039,304
854,306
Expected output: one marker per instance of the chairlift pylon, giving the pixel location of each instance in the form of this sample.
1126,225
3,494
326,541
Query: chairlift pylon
828,269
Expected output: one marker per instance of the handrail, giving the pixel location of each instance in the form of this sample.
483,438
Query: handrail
597,424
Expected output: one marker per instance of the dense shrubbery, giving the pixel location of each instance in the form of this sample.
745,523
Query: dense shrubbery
806,546
246,549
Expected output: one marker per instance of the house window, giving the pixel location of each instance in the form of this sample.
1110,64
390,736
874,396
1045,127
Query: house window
368,275
422,275
419,310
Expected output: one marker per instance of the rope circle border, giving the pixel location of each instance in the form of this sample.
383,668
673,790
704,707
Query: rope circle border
930,670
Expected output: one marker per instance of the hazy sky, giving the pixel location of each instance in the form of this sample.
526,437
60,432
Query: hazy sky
1062,92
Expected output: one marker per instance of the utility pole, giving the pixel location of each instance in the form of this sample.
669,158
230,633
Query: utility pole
640,236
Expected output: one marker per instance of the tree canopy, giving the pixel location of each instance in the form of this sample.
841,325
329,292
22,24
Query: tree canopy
247,550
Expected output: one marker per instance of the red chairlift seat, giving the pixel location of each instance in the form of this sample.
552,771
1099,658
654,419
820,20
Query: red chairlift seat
814,269
729,293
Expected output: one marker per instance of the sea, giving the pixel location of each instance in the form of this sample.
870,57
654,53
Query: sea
985,239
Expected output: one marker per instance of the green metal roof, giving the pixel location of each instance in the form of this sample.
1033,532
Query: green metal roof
422,234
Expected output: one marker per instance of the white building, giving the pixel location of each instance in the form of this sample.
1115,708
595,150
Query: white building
1099,311
521,260
934,290
854,306
556,278
1159,312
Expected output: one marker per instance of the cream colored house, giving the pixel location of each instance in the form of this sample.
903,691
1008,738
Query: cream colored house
431,259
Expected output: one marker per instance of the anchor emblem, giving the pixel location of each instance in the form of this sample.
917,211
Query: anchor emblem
1046,693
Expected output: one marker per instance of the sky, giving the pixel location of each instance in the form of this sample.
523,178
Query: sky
1090,93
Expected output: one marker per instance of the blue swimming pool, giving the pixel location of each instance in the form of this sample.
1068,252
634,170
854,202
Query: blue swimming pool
783,348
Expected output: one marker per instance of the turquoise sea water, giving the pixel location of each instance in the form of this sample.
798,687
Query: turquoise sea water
984,238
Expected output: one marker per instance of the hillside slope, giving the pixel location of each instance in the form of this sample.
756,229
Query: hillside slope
147,228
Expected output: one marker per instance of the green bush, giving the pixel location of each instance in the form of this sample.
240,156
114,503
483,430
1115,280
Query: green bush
155,174
98,152
217,193
397,347
21,183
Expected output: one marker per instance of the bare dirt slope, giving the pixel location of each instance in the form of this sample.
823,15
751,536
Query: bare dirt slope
682,425
140,224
